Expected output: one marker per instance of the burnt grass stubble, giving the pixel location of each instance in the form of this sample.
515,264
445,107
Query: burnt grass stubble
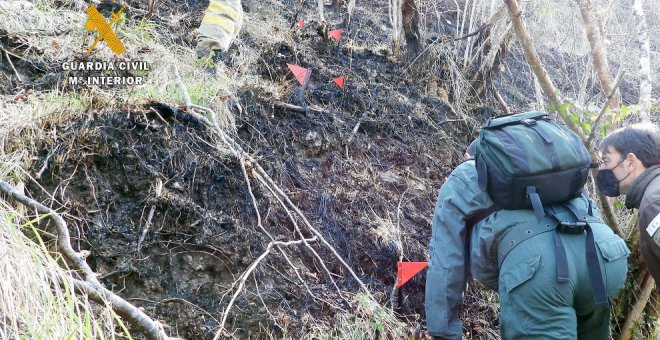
103,171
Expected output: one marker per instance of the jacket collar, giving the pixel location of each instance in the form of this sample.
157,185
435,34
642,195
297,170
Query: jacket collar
634,197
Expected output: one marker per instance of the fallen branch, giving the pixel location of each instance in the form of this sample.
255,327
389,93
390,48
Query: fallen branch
184,89
247,273
13,68
296,108
263,229
91,286
20,57
63,240
45,165
101,295
365,113
299,232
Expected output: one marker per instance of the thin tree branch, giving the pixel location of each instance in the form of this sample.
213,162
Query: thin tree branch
18,76
263,229
184,89
598,54
601,114
101,295
477,31
535,63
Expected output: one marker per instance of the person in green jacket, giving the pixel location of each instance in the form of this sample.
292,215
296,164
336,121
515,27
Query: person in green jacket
533,303
631,166
221,24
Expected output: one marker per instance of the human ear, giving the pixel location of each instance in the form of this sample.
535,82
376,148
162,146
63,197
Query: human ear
633,159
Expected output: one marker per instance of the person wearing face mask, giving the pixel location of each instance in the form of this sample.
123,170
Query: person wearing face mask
631,167
472,238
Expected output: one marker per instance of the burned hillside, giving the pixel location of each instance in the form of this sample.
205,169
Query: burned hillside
221,196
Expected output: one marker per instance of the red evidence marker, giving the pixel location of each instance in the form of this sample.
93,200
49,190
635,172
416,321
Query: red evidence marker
335,34
302,74
339,81
406,271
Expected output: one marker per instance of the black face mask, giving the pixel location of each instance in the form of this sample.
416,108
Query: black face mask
607,183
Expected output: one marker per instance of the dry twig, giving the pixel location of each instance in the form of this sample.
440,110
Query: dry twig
263,229
158,189
13,68
594,126
247,273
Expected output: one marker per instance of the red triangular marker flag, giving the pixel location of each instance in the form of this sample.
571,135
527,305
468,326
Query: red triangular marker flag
301,24
335,34
299,72
406,270
339,81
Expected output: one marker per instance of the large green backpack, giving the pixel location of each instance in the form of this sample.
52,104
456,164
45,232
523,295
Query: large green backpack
526,160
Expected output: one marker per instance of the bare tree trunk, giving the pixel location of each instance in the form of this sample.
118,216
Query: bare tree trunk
321,12
636,313
397,24
538,95
492,52
645,86
350,9
410,20
336,5
535,63
598,52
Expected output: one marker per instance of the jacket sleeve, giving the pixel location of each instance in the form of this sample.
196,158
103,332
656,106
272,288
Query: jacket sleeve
649,212
221,23
459,198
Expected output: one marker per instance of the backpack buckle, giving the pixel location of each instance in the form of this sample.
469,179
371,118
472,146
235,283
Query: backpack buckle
574,228
529,122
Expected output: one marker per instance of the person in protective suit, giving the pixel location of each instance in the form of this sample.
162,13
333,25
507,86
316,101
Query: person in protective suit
542,275
221,24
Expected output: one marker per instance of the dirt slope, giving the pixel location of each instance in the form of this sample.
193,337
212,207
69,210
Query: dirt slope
119,173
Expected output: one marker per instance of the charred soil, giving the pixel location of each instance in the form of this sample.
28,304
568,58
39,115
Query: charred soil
168,218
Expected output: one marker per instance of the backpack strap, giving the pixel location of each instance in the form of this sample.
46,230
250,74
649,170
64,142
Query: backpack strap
536,203
561,260
591,254
595,275
520,234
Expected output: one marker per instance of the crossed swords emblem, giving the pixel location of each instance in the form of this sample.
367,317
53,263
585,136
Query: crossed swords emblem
97,21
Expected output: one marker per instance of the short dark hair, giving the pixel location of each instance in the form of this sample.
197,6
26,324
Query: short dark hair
642,139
